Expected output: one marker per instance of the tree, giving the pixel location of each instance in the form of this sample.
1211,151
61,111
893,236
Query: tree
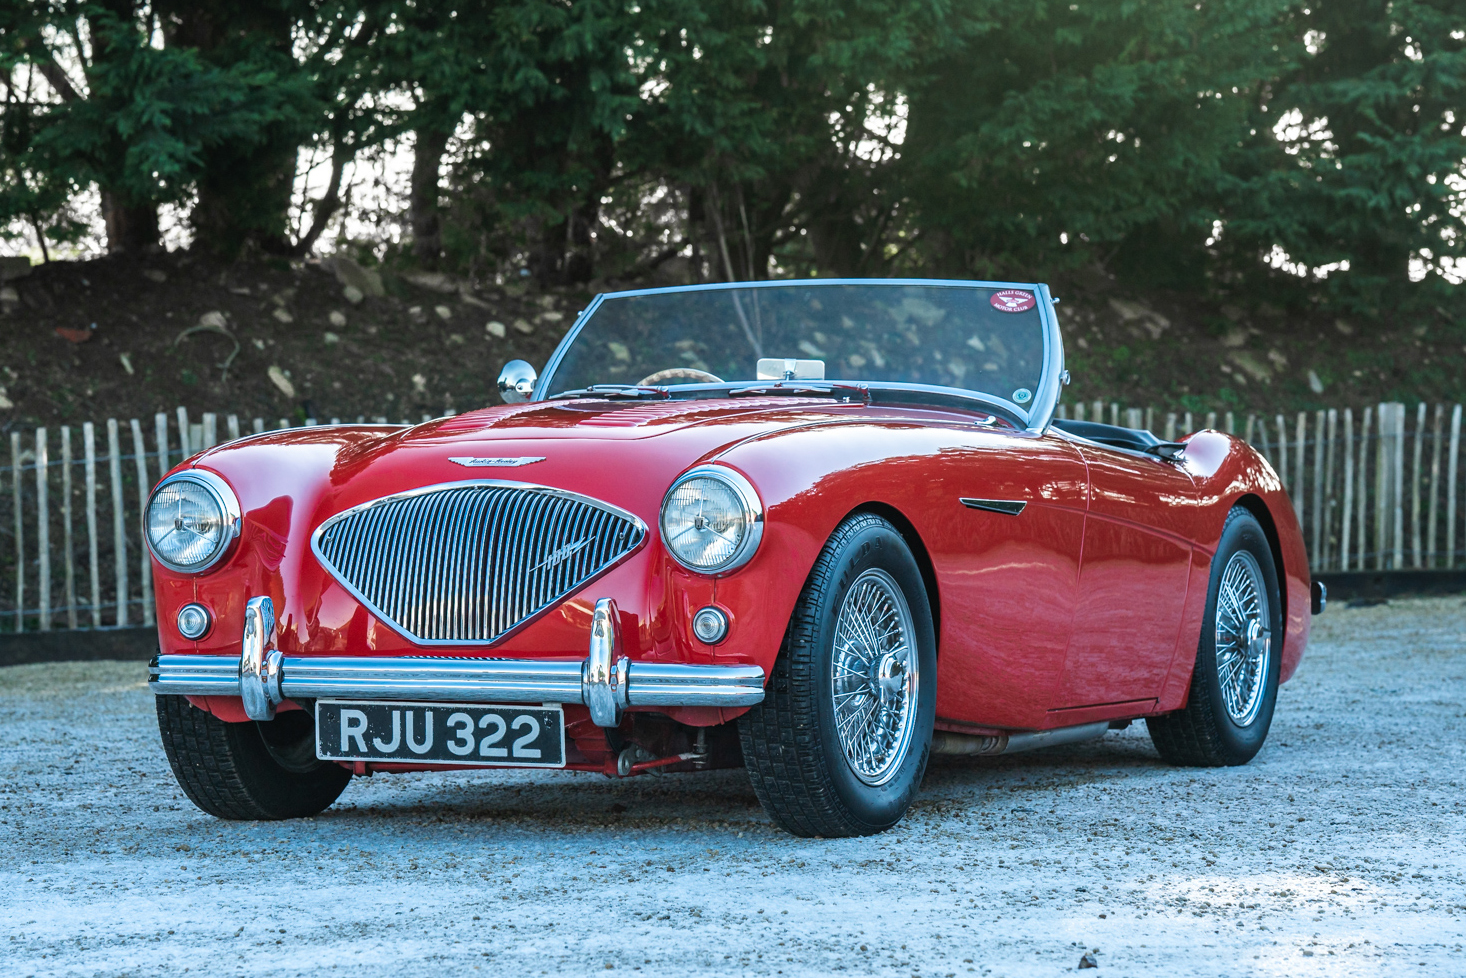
247,169
150,125
779,119
1353,159
1060,135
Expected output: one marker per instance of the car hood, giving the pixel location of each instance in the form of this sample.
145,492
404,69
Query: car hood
624,454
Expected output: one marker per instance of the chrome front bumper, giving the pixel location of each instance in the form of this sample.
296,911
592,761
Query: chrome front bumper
606,681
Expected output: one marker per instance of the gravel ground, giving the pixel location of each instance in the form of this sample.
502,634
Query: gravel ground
1337,851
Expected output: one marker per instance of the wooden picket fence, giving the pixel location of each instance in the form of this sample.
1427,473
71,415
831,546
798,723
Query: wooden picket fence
1372,490
50,576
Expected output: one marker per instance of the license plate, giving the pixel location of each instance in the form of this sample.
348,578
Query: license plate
441,733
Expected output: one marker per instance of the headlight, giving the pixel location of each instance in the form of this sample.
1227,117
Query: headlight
192,521
712,520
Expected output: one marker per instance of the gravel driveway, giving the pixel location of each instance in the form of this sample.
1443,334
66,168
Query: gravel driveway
1338,851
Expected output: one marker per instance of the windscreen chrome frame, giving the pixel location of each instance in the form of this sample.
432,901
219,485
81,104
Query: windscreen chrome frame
1036,418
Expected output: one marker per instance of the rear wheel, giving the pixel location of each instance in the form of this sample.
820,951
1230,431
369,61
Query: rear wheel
248,770
839,745
1234,685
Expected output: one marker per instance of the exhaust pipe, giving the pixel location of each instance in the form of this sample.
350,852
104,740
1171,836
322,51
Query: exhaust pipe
944,742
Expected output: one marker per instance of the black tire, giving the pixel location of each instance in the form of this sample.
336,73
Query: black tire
790,746
264,771
1204,734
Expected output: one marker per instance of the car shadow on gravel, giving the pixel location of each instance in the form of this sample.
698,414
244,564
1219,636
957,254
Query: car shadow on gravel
559,802
724,800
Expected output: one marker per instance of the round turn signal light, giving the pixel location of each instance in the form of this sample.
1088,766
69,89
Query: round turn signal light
710,626
194,621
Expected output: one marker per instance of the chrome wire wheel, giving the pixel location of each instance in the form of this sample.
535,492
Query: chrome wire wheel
1243,638
874,677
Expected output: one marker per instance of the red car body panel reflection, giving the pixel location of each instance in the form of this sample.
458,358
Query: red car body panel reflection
1085,605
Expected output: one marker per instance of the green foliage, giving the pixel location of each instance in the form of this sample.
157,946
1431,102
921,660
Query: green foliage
1356,154
1164,142
1056,134
152,115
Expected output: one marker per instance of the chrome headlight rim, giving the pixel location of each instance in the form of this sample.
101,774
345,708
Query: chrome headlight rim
753,517
228,505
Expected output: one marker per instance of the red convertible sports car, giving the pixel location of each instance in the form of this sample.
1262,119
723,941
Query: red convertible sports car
821,529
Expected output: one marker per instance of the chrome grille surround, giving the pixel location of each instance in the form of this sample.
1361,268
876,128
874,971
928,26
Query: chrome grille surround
467,563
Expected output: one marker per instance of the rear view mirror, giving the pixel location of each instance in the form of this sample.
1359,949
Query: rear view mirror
516,382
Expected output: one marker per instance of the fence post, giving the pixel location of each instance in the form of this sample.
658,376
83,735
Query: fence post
259,425
1383,455
1399,486
1346,525
1134,417
1364,489
1432,520
160,436
183,426
1453,452
1318,489
1331,487
66,530
1171,426
1416,557
231,423
144,564
43,528
1300,473
210,430
89,446
119,526
1149,418
1211,420
15,487
1282,465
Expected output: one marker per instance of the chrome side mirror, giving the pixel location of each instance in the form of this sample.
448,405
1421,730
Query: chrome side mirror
516,382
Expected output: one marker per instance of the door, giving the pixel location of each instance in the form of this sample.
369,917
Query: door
1132,580
1011,505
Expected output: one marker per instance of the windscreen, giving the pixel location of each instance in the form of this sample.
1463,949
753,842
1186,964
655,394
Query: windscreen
982,339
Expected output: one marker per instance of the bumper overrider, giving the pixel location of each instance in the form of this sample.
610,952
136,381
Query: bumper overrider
606,681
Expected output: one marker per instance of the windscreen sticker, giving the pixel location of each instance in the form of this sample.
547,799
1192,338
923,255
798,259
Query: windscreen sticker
1013,300
1022,395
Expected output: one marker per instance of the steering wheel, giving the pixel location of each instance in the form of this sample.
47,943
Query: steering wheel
679,373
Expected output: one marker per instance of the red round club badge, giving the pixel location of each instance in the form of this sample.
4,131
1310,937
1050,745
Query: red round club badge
1013,300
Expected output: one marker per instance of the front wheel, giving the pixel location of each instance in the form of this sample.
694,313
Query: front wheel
840,743
1234,685
248,770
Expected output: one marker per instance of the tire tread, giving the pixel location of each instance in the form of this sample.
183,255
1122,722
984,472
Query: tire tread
1190,737
780,736
211,761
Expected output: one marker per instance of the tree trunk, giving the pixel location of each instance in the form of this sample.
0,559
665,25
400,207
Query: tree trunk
423,211
244,192
585,217
130,229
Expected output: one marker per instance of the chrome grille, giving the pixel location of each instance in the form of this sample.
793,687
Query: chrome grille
465,563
